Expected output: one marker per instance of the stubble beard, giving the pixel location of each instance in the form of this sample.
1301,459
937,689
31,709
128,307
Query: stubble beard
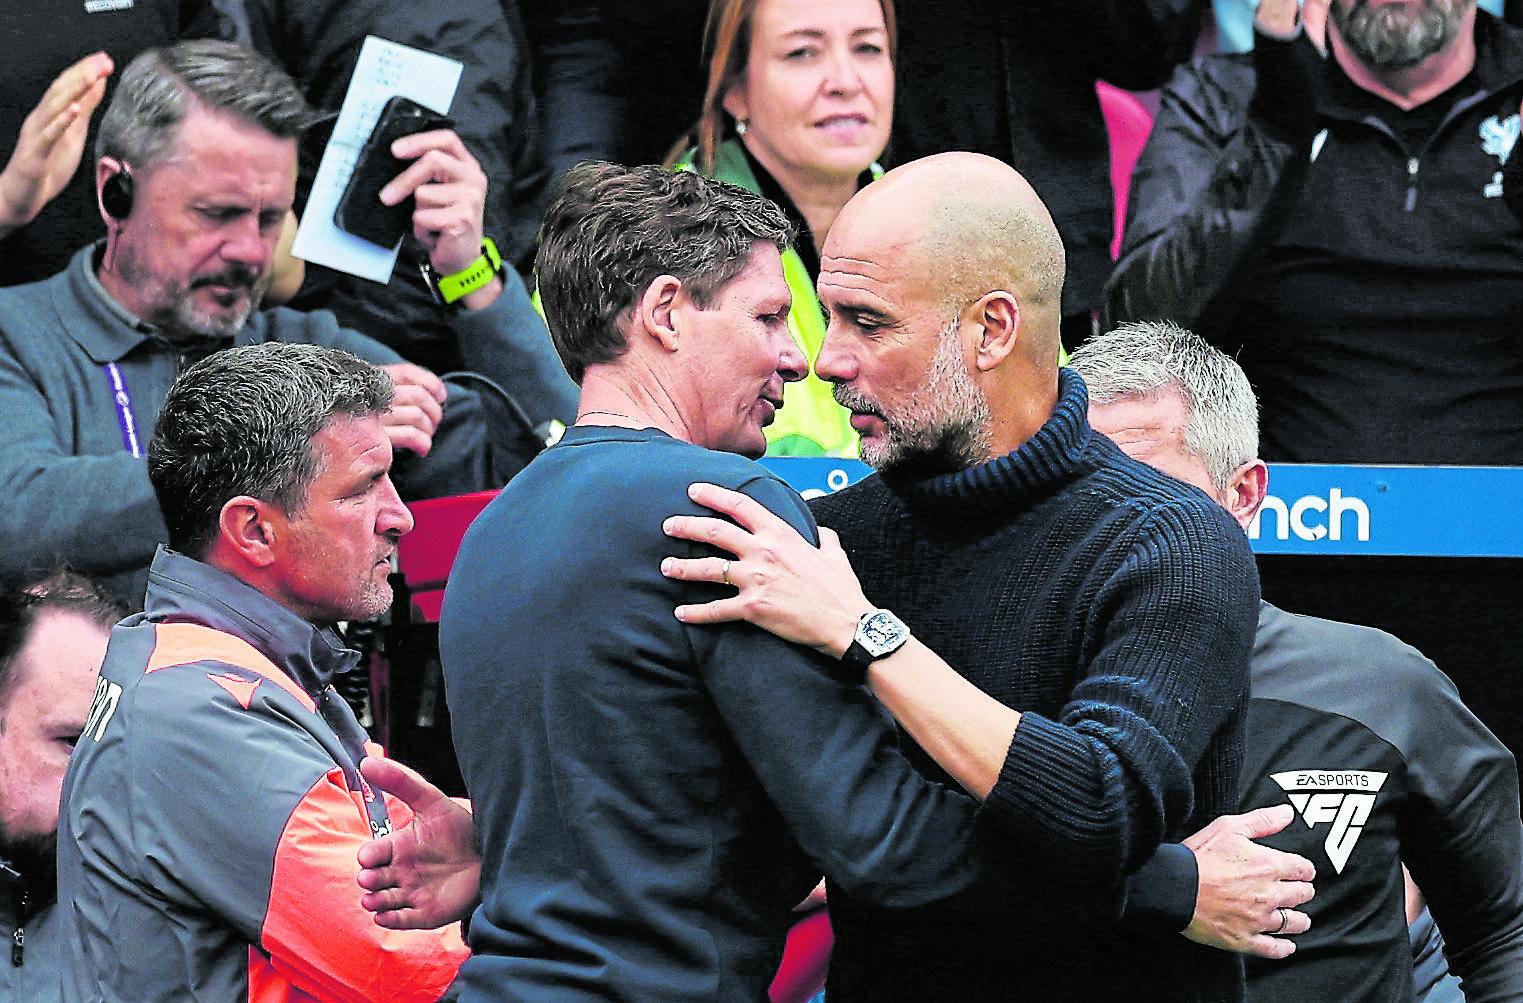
176,313
1398,36
367,601
943,428
374,599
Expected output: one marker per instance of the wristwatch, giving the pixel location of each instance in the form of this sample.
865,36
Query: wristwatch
879,634
448,289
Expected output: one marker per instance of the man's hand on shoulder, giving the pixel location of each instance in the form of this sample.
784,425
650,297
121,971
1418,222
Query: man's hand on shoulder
450,189
805,594
427,873
1248,893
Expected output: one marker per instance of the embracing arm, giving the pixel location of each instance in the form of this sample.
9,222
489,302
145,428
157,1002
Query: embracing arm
1221,889
1118,747
1217,888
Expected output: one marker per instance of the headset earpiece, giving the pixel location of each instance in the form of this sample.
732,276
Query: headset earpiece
116,195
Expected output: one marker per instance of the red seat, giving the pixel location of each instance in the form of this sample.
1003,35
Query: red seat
427,554
806,959
1129,122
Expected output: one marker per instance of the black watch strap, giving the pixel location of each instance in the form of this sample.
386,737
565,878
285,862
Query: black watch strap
879,634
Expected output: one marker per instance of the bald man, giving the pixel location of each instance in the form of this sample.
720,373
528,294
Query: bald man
1106,607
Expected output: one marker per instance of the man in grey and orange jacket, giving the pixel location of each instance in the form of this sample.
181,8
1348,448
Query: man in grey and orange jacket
213,806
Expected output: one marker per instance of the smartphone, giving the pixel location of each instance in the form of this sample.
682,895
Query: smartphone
360,210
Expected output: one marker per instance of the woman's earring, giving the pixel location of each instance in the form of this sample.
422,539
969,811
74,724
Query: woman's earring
741,125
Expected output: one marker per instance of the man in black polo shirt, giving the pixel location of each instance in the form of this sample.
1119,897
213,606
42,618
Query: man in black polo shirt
1337,224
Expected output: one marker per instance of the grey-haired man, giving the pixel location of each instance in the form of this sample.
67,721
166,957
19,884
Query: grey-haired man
1368,741
213,806
195,176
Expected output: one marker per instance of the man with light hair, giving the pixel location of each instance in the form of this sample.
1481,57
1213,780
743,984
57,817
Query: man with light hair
1359,732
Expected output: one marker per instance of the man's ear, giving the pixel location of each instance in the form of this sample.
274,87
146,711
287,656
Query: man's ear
107,168
252,529
998,315
656,313
1246,489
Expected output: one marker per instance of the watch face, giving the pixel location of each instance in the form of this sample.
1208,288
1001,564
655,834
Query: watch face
881,632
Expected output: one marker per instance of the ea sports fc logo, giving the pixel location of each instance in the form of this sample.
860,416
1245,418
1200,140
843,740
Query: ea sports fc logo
1343,797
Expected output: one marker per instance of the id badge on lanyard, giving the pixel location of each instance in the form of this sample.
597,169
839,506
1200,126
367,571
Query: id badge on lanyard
124,417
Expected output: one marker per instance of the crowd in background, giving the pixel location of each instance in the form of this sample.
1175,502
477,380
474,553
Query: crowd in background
1330,198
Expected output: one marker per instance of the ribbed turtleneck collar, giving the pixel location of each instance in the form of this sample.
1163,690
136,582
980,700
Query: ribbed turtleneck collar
1052,458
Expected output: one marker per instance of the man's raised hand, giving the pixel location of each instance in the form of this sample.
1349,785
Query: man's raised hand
51,141
450,189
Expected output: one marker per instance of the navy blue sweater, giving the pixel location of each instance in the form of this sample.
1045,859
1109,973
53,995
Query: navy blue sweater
1115,608
652,798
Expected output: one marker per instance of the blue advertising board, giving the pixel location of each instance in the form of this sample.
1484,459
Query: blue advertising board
1325,509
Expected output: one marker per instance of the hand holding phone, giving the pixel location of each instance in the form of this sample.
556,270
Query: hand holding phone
360,210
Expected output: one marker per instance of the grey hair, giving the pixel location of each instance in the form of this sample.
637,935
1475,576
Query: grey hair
159,87
611,230
241,422
1142,358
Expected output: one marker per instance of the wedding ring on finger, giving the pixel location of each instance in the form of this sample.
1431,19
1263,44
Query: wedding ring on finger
1284,921
724,576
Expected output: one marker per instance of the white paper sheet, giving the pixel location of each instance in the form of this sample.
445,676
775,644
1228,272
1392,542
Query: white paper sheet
384,69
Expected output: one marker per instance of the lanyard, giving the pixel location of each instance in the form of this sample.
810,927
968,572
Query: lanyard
124,411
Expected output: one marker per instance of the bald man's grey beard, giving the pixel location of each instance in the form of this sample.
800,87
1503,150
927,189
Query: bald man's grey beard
1396,36
943,428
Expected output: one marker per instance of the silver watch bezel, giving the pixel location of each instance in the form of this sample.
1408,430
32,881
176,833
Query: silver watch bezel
881,633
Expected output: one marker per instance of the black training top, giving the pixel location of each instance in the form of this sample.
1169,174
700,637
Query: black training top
1383,764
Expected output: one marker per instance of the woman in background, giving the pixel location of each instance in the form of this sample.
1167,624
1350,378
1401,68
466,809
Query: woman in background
799,102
